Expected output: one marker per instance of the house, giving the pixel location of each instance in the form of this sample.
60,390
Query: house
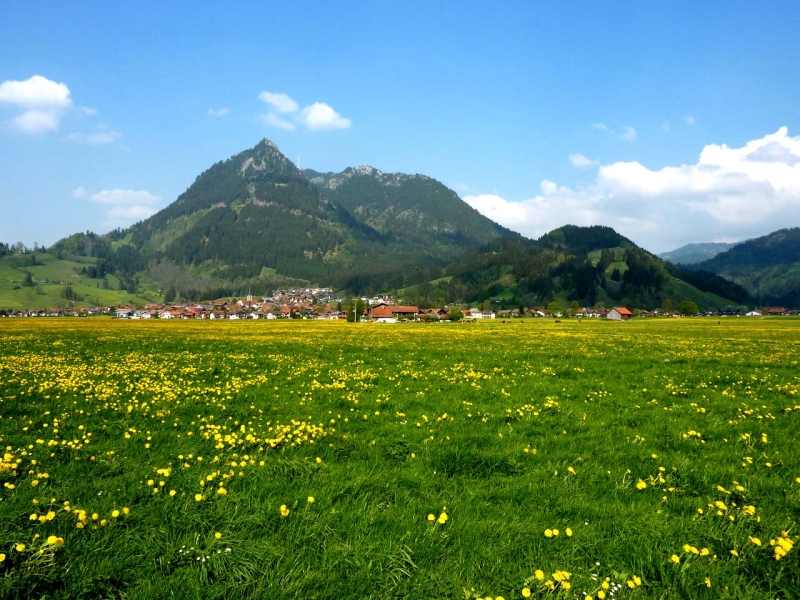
124,312
385,311
619,313
774,310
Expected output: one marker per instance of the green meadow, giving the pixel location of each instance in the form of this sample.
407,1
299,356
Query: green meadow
647,459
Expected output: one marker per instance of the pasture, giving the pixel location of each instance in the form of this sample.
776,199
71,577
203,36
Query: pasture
647,459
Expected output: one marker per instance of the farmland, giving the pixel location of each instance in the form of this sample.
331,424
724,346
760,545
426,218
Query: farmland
647,459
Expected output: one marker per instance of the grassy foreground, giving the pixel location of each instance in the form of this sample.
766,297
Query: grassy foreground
649,459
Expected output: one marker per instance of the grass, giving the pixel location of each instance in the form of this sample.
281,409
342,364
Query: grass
644,439
55,274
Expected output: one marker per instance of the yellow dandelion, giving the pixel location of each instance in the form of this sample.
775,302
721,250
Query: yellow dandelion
115,513
526,592
548,533
284,511
442,518
539,574
198,497
431,517
568,531
707,582
640,485
311,499
19,547
218,535
754,540
675,558
2,557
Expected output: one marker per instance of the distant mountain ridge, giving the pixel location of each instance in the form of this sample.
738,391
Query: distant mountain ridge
768,267
695,253
256,217
256,221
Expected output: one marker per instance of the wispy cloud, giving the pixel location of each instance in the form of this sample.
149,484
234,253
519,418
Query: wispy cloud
124,207
736,193
580,161
284,113
666,126
218,112
43,103
105,136
628,133
689,120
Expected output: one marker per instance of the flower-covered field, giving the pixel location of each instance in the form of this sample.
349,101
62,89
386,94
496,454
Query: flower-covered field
648,459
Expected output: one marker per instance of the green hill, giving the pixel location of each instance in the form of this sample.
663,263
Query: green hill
589,265
767,267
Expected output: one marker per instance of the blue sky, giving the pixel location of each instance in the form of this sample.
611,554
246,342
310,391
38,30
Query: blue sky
672,124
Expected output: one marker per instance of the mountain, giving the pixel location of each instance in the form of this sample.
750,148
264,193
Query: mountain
587,265
767,267
695,253
415,208
257,220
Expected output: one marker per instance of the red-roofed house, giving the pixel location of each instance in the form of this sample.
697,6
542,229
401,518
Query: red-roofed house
619,313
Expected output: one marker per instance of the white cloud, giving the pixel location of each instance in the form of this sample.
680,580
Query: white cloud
271,118
108,136
731,193
88,111
129,213
79,192
36,120
628,134
118,196
689,120
580,161
43,103
666,126
218,112
314,117
125,206
322,116
279,102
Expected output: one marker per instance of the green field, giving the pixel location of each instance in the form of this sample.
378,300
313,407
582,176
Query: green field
647,459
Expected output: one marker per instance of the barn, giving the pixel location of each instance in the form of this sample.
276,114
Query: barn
619,313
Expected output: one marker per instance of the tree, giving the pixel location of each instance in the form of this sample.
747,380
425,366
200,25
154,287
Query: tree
574,307
615,275
554,309
687,307
355,313
666,306
455,315
28,281
169,295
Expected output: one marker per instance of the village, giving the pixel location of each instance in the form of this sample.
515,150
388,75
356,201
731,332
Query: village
325,304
